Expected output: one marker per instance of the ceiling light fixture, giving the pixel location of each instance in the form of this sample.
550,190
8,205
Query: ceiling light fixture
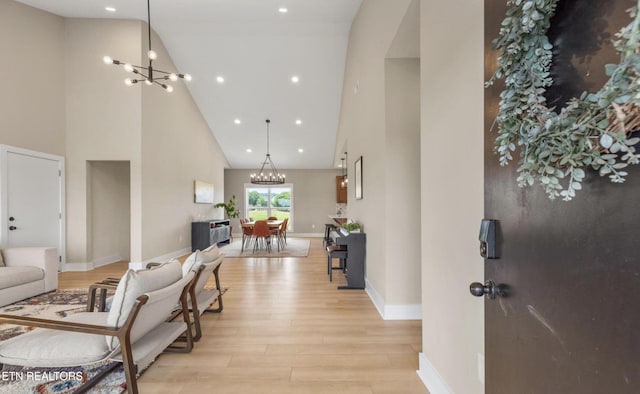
300,150
237,121
273,177
283,10
298,122
295,79
249,150
345,180
146,74
110,9
220,79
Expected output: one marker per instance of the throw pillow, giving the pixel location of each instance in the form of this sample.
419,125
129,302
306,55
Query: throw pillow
189,263
135,283
209,254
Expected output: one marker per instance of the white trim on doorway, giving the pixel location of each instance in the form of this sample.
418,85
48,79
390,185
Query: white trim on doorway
4,151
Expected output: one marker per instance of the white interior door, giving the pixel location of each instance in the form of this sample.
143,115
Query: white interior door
33,199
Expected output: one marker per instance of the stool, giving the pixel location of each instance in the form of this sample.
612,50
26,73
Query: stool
336,252
327,234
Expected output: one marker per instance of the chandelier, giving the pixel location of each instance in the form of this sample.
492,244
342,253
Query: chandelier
273,177
148,75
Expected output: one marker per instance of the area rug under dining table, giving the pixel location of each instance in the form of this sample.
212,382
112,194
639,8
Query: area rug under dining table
295,247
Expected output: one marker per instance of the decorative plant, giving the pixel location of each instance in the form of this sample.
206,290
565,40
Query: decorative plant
352,226
229,208
590,131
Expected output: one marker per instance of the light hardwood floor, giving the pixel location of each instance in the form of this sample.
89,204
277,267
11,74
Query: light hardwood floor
286,329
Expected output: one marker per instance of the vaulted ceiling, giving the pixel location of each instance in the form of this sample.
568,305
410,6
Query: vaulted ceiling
257,49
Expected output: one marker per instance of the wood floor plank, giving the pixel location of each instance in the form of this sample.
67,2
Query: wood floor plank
285,329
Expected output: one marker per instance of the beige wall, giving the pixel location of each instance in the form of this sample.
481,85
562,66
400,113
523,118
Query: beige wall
32,113
452,192
314,196
177,148
367,132
103,119
109,211
62,99
402,122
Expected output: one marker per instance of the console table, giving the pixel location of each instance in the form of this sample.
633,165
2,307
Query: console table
209,232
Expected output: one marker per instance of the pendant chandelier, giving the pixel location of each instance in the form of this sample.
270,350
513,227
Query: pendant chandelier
345,179
148,75
272,177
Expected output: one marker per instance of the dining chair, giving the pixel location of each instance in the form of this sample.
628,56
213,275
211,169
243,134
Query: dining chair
272,218
281,234
261,234
247,234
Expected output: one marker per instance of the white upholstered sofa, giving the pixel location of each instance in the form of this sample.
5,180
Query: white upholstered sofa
27,272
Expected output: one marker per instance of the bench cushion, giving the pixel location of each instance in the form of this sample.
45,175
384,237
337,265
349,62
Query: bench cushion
45,348
16,276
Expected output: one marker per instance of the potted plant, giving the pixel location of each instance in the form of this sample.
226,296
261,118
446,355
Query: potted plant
229,208
352,227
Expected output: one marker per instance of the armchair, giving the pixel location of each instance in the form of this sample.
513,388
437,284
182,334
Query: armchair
134,332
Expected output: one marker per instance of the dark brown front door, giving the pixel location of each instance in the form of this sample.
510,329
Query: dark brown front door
570,320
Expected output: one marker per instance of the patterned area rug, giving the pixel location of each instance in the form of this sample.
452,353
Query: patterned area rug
295,248
53,305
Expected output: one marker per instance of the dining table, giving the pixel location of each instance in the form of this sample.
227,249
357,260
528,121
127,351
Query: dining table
271,223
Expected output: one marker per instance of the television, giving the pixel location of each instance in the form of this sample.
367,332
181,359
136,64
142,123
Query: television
203,192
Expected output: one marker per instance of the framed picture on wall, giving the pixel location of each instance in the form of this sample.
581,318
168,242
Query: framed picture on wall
358,179
203,192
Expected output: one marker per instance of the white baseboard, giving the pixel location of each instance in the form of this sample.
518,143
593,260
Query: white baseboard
160,259
106,260
90,265
393,312
306,235
78,267
431,378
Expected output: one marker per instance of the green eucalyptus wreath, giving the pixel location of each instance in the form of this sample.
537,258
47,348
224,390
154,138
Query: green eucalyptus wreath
593,130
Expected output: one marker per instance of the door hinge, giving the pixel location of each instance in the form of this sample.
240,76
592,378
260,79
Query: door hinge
60,215
60,259
59,172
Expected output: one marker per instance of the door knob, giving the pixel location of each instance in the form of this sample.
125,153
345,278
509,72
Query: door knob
11,219
12,228
489,289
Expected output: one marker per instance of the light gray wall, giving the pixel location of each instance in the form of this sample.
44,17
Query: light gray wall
110,211
314,196
32,114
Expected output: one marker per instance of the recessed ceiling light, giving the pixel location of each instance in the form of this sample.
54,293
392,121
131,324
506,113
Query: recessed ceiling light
237,121
220,79
300,150
298,122
283,10
249,150
110,9
295,79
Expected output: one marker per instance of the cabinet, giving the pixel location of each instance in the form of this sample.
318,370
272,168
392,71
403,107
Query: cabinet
209,232
341,190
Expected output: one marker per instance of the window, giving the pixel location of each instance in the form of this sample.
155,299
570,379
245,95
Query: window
265,201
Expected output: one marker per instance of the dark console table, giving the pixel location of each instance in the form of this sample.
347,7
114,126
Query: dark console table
209,232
